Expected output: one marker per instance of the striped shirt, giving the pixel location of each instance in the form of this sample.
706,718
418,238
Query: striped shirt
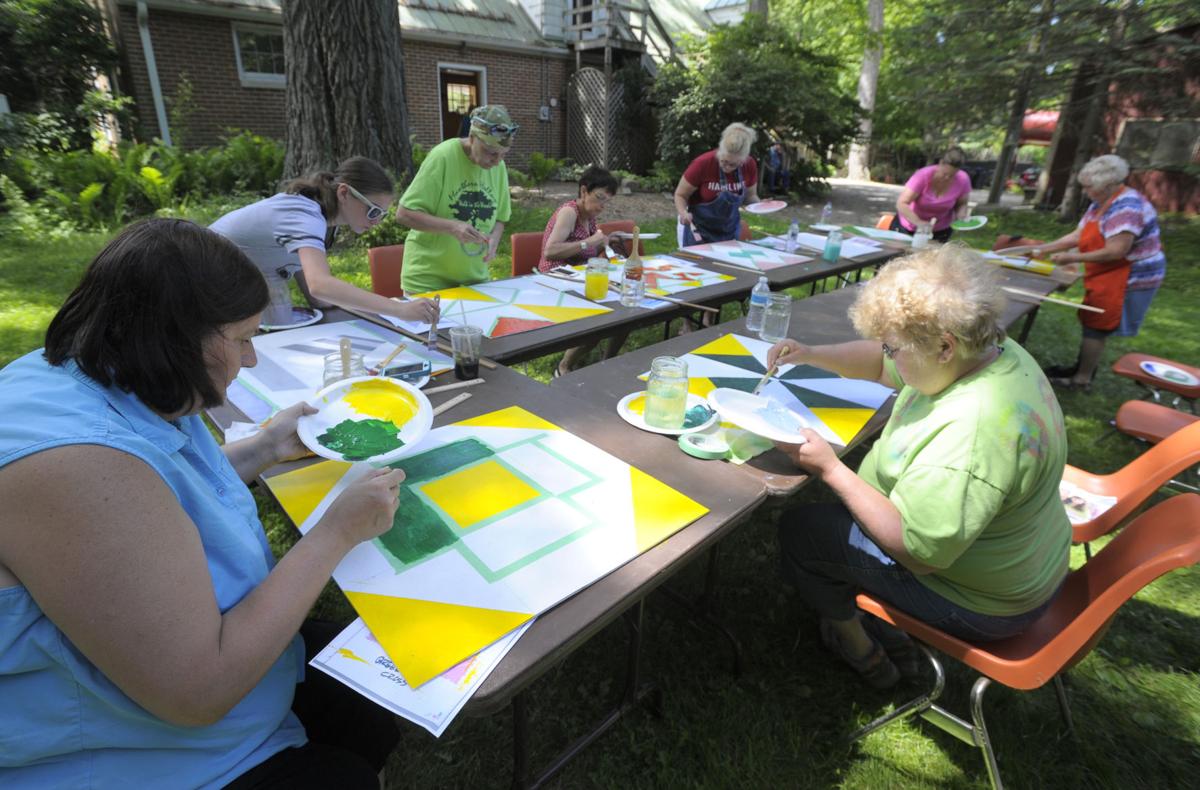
1130,212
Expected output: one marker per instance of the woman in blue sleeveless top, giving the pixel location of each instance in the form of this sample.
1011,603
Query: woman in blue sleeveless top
147,637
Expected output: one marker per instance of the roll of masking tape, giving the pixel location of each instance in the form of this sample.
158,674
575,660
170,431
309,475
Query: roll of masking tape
707,446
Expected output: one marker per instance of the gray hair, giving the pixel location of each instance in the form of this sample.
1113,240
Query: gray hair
1104,171
737,139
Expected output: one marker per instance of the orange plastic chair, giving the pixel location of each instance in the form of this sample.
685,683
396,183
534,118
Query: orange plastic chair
1162,539
885,220
1151,422
386,265
1134,483
1130,366
623,226
526,252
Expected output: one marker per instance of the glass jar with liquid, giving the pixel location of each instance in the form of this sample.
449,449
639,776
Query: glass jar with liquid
666,393
335,370
595,286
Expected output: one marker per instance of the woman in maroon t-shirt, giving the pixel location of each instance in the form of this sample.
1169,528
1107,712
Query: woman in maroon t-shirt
715,185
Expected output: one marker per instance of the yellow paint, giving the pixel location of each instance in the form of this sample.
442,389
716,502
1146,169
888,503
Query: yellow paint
425,638
346,652
512,417
382,400
300,491
464,292
561,314
700,386
637,405
658,510
846,423
479,492
726,345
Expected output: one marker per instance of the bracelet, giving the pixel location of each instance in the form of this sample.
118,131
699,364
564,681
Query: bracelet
583,246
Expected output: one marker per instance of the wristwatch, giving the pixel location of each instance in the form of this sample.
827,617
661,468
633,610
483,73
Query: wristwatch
583,246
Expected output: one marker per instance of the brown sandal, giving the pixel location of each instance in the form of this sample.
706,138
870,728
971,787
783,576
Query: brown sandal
875,667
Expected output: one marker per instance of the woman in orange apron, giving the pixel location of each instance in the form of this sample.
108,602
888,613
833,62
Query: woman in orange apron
1106,269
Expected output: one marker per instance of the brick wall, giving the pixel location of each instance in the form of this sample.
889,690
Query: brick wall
202,48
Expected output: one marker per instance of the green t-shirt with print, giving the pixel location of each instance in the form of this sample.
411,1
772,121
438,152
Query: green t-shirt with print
974,472
449,185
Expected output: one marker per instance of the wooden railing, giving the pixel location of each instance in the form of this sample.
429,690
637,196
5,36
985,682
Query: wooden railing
614,24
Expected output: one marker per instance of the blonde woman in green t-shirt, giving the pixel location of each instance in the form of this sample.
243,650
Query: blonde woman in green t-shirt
954,515
457,206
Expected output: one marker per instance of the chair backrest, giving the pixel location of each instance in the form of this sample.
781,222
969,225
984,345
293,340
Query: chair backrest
1134,483
386,265
623,226
743,231
526,252
885,220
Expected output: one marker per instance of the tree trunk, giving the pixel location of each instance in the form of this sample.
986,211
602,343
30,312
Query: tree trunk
345,85
758,7
1016,116
1073,197
868,81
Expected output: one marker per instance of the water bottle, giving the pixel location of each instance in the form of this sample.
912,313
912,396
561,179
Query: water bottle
921,237
793,237
758,305
633,287
827,213
833,246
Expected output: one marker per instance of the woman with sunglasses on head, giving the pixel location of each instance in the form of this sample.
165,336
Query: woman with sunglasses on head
287,235
457,205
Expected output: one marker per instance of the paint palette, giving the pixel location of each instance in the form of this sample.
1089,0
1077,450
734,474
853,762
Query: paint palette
766,206
633,406
1169,373
970,223
762,416
367,418
301,316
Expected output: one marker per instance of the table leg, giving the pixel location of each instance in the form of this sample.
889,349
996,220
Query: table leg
635,693
698,610
1027,326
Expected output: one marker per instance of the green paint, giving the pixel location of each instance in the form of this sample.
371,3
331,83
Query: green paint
417,532
357,440
443,460
697,415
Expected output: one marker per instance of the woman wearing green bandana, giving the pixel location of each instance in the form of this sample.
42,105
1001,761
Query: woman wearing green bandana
457,206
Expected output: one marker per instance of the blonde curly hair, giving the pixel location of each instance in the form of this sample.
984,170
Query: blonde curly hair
936,290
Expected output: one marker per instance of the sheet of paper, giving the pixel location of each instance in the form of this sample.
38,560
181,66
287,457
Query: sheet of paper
357,659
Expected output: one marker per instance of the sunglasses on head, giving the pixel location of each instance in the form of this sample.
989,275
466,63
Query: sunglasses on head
374,212
500,129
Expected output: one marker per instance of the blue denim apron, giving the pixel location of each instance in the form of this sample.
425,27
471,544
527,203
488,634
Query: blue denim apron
718,219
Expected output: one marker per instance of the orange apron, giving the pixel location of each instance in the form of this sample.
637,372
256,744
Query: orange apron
1103,282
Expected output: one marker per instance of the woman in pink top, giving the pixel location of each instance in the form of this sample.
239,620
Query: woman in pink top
572,236
934,197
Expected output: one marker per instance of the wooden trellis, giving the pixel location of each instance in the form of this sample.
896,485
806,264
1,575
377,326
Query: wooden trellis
595,114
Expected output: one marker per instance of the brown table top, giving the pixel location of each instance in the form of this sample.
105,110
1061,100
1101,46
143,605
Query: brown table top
800,273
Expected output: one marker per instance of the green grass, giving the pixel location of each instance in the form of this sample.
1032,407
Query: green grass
1136,699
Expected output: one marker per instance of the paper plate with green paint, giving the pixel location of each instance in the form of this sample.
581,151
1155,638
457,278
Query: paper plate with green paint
970,223
367,418
697,417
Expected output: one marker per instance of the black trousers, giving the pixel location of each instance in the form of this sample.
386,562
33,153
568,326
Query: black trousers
349,737
940,236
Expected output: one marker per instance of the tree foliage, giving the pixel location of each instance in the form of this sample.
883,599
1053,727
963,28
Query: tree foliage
53,49
762,76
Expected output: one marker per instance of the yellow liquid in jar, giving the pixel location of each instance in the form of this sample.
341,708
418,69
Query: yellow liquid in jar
596,286
666,402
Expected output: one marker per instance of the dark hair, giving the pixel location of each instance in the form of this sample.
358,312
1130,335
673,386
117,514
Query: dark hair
365,175
954,157
146,304
599,178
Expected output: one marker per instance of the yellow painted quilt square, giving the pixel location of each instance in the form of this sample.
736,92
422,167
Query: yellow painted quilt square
479,492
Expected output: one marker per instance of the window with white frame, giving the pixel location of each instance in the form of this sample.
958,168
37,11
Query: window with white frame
259,52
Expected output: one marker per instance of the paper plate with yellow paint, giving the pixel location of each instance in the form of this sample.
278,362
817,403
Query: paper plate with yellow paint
697,417
367,418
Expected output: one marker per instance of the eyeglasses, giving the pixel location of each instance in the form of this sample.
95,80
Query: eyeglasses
888,351
374,212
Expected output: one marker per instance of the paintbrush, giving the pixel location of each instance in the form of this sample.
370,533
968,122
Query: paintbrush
763,381
431,340
375,370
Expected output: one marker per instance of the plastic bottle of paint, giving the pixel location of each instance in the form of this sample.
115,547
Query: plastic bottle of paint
793,237
758,305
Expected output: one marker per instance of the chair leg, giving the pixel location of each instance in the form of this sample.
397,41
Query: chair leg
1064,705
914,706
981,733
1087,551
